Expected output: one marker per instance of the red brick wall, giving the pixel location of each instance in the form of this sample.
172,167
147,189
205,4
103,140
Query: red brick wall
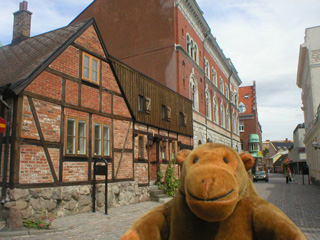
90,97
141,172
184,139
125,168
34,167
75,171
120,129
29,129
136,147
106,102
108,79
90,40
120,107
72,92
49,116
74,113
47,84
55,157
67,62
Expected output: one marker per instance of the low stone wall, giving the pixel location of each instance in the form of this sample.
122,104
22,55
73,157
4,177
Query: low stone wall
69,200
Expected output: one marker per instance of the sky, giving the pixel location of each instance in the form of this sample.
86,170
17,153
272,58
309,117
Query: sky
261,37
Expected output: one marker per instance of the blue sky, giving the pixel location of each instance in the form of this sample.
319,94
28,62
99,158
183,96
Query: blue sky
262,38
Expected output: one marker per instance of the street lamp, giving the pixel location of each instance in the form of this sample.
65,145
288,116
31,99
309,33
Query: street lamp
315,145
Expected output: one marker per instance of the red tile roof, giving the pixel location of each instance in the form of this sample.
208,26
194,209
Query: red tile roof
243,91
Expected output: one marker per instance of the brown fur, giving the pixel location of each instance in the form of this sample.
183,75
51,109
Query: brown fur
216,200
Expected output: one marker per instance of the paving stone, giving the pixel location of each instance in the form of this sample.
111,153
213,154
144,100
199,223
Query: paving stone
300,202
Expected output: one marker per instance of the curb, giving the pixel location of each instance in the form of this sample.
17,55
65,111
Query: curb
26,232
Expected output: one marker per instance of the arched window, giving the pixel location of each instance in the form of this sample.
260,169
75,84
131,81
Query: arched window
192,49
222,115
214,76
188,44
195,53
208,104
194,92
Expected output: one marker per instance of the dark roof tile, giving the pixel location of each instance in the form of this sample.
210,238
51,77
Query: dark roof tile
17,62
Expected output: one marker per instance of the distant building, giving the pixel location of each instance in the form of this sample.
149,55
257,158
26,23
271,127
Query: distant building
249,126
274,150
297,154
171,42
308,79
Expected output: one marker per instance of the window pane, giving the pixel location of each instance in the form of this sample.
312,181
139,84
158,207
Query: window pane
97,139
94,70
71,136
82,137
86,66
106,140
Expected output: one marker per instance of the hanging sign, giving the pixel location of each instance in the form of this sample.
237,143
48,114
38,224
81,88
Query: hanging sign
2,125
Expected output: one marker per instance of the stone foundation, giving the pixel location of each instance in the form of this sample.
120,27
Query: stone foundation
62,201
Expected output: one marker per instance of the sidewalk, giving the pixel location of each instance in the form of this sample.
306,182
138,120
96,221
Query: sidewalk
300,202
87,225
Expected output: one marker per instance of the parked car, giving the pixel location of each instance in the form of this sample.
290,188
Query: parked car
260,176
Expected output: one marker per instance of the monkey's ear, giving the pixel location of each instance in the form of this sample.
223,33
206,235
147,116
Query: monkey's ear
248,160
182,155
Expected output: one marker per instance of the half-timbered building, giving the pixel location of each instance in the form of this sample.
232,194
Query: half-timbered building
67,104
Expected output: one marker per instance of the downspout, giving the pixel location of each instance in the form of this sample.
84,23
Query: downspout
6,152
207,35
230,107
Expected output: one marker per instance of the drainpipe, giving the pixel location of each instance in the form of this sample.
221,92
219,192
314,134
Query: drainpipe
230,107
6,151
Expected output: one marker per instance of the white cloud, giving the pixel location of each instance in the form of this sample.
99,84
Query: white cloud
262,38
47,15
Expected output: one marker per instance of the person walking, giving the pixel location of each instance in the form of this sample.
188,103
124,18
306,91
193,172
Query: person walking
286,174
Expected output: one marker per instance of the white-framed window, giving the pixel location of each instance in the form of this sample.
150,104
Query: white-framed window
76,136
221,85
101,139
214,76
241,127
194,92
208,104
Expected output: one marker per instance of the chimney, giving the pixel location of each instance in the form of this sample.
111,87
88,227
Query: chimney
22,23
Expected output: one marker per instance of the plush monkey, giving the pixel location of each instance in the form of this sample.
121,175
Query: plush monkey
216,200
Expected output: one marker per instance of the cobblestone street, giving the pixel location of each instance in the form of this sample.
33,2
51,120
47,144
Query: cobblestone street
300,202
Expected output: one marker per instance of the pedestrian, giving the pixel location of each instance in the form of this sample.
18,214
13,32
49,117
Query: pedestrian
287,175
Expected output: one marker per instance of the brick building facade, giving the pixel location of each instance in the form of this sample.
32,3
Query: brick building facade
250,128
72,104
172,43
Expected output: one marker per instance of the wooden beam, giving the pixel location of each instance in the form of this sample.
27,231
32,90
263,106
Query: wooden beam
42,139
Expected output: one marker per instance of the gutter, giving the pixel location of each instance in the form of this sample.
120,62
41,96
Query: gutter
6,151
